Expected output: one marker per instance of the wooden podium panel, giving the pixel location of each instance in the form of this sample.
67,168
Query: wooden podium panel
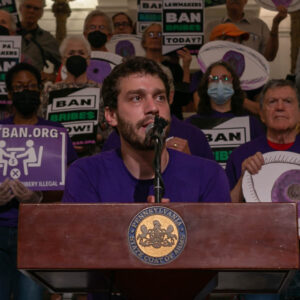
79,247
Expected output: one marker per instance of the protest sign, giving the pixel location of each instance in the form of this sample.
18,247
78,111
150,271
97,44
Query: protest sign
251,67
126,45
148,12
183,22
290,5
78,110
224,134
277,181
35,155
10,54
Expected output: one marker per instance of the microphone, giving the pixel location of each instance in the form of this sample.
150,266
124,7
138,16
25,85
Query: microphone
156,129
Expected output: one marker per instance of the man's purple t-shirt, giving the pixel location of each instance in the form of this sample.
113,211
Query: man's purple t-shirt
9,212
104,178
256,127
260,144
196,139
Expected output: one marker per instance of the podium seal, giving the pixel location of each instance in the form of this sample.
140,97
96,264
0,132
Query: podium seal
157,235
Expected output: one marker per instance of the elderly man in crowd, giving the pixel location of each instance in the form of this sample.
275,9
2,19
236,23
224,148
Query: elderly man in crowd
261,38
280,111
38,45
122,23
97,30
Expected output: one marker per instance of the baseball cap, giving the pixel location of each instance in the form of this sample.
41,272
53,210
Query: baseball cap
228,29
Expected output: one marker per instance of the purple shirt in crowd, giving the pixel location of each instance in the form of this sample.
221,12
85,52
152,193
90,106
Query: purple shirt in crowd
256,127
234,163
196,139
9,212
104,178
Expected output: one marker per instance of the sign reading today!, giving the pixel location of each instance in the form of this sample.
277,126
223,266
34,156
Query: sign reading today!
78,111
10,55
224,136
182,25
35,155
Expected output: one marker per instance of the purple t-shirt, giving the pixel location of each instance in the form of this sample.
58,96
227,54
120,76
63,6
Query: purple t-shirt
104,178
256,127
196,139
234,163
9,212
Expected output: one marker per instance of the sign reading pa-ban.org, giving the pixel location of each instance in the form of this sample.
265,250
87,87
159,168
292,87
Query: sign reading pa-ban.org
157,235
35,155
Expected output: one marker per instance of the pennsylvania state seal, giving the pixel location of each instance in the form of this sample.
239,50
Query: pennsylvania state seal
157,235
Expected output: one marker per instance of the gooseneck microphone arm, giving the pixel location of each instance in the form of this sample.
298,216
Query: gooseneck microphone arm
156,133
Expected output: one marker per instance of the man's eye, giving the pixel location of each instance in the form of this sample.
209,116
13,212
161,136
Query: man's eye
161,97
136,98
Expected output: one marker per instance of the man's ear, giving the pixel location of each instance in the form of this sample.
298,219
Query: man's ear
262,115
111,116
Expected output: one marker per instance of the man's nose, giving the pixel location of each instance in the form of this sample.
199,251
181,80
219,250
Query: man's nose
151,105
280,104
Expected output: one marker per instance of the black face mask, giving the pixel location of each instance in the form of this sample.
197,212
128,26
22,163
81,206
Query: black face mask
26,102
3,30
76,65
97,39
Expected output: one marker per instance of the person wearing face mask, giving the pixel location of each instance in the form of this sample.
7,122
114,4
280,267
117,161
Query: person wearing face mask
222,97
97,30
23,82
75,51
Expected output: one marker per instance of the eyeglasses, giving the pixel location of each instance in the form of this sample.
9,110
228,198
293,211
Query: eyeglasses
95,27
152,34
21,87
217,78
35,8
124,24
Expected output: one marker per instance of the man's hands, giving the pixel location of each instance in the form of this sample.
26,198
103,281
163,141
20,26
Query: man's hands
10,189
253,163
5,192
178,144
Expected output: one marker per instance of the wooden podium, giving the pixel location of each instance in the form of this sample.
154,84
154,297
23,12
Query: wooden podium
230,248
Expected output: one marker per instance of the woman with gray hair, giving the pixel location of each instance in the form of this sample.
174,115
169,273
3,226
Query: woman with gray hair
75,51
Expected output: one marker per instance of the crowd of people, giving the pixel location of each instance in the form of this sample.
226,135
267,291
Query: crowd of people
131,96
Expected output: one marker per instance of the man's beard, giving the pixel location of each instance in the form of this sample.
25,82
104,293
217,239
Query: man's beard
127,131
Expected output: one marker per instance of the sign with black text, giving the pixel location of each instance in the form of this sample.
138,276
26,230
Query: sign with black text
148,12
183,25
10,54
78,111
224,135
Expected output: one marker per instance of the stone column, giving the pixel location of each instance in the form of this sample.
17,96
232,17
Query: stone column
62,11
295,38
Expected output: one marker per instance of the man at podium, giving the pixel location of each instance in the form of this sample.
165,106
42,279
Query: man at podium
135,94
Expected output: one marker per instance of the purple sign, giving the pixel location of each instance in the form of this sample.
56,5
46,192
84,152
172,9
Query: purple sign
285,3
35,155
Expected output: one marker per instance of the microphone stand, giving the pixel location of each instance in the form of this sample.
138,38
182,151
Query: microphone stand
159,188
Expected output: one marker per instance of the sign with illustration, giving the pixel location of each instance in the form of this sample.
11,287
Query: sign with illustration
277,181
251,67
126,45
290,5
35,155
78,110
10,55
224,135
183,25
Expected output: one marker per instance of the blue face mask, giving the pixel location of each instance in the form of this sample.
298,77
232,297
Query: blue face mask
219,92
